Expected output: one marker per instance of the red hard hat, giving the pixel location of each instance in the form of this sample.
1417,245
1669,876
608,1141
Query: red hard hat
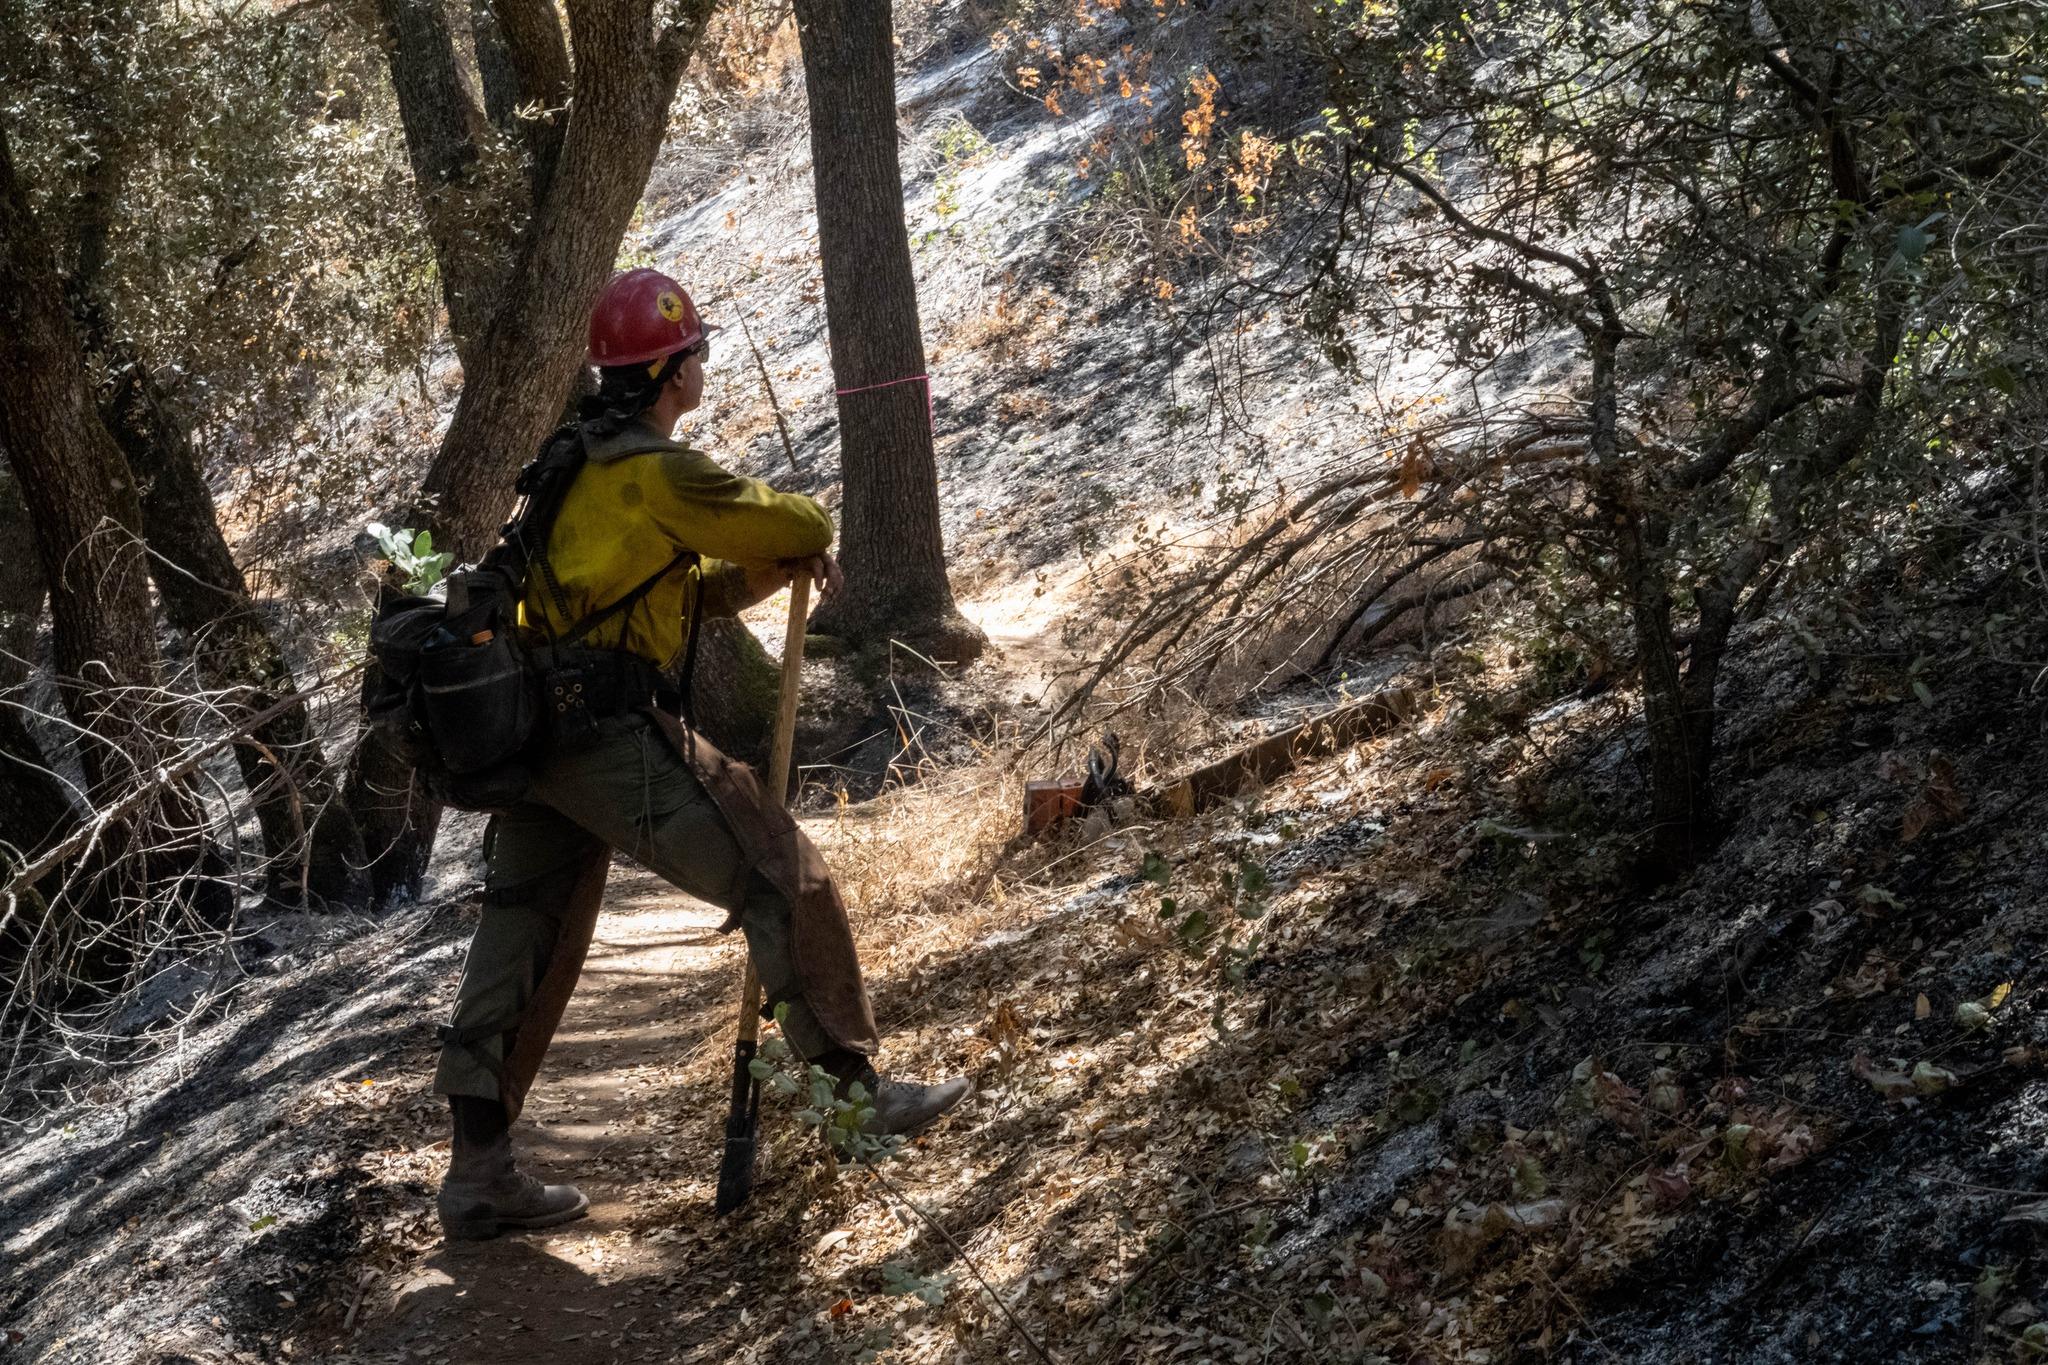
642,315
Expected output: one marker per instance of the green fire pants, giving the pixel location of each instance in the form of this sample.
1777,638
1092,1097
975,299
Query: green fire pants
627,790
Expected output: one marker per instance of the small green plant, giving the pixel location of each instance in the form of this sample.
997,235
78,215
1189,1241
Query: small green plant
961,147
841,1117
929,1290
412,554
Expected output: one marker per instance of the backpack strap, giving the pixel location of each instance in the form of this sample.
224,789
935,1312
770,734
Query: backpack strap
623,604
523,543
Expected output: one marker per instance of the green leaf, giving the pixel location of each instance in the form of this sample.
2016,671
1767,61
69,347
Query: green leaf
759,1069
261,1223
1252,879
928,1289
1155,869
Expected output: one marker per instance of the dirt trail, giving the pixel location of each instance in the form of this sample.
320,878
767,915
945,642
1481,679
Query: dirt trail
653,1001
630,1105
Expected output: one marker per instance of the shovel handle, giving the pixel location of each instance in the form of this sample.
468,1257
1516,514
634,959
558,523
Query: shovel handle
792,682
782,748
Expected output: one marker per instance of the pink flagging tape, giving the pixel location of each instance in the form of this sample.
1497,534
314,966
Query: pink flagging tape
924,379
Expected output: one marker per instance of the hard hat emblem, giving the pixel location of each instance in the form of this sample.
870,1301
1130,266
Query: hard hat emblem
671,307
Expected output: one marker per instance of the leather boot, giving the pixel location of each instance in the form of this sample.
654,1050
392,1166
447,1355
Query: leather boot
484,1192
902,1108
907,1108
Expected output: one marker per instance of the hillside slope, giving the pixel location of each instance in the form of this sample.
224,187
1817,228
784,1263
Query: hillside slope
1396,1060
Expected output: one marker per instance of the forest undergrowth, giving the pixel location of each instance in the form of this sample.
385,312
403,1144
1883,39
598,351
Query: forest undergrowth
1246,408
1397,1059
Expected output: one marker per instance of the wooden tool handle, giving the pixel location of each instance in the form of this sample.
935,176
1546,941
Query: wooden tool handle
783,747
792,683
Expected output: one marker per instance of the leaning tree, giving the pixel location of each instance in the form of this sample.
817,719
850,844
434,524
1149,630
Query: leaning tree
524,242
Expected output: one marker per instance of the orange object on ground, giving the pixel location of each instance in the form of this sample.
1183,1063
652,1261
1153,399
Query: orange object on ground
1048,801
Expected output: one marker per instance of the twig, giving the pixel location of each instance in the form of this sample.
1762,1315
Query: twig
781,423
90,832
961,1252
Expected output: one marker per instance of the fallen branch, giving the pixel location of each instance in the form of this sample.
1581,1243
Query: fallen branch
1260,763
89,833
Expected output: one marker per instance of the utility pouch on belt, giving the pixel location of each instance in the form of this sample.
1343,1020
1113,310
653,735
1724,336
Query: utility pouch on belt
474,691
580,687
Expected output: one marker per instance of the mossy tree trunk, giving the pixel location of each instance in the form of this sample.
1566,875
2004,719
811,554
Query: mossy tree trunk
736,689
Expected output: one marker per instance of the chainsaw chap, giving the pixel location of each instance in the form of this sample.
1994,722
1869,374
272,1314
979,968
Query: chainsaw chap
702,822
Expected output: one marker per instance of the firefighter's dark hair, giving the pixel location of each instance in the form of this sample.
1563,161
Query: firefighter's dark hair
626,391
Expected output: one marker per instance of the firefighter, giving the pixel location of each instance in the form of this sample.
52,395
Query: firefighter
651,534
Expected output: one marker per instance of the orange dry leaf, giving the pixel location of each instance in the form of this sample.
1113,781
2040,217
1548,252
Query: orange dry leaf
841,1308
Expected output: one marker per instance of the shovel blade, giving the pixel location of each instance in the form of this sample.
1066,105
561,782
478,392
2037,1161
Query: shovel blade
736,1170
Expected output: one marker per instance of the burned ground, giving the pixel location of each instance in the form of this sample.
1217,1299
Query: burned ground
1475,1092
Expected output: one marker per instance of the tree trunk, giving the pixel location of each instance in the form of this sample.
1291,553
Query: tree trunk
467,218
736,689
397,821
516,383
518,374
539,61
494,71
35,810
82,502
306,830
890,535
1680,733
